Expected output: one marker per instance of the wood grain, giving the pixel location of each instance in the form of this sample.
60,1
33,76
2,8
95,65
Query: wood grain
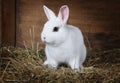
0,22
98,20
8,22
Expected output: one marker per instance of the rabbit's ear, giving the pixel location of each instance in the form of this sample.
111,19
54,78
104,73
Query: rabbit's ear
49,13
64,13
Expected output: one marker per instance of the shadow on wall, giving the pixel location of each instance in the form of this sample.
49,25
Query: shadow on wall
101,23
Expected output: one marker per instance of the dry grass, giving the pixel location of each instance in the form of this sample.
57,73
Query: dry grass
20,65
24,65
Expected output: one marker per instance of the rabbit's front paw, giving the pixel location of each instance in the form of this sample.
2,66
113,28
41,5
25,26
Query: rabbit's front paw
45,63
80,69
50,65
76,69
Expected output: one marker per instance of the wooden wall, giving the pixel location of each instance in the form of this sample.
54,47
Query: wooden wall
8,22
98,20
0,21
29,14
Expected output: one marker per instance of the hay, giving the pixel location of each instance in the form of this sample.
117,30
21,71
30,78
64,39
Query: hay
20,65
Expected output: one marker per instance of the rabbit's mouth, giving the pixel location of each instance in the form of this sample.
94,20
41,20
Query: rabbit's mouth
46,42
50,43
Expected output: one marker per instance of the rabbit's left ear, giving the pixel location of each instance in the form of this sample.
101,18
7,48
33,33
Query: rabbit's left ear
64,13
49,13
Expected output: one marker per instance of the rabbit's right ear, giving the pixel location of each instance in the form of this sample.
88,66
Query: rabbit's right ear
49,13
64,13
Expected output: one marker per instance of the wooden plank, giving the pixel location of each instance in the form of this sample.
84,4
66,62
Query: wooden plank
98,20
0,23
29,14
8,22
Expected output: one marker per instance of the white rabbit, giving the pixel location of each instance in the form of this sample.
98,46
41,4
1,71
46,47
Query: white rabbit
64,43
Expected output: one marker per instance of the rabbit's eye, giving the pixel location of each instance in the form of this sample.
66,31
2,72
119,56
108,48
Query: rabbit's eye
55,29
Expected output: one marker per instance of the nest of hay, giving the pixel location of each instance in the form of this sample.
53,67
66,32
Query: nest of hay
25,66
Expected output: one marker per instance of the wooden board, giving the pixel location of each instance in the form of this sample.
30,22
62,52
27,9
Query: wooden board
0,22
8,22
29,14
98,20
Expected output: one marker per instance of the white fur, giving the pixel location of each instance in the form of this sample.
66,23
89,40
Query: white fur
66,45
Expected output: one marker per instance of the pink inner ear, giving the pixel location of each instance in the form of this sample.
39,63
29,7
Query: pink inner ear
63,12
